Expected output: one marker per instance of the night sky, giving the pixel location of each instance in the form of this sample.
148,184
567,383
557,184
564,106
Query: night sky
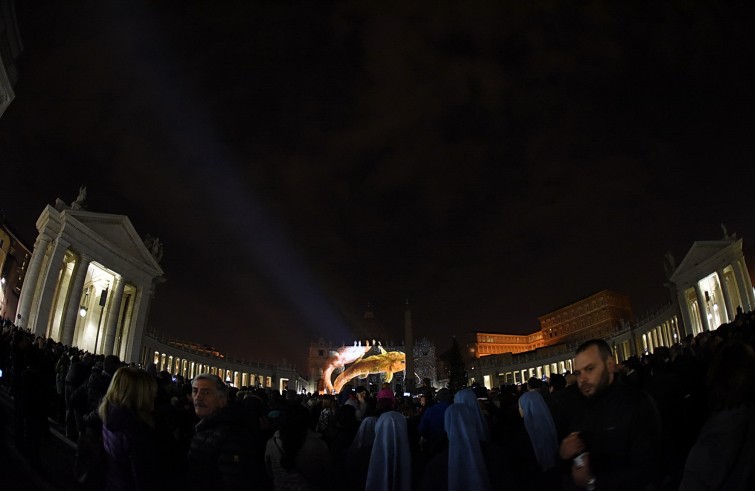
490,162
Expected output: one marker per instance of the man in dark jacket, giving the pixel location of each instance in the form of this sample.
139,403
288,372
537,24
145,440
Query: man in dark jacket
78,374
615,437
221,452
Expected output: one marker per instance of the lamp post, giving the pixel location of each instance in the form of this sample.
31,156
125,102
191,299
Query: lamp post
103,301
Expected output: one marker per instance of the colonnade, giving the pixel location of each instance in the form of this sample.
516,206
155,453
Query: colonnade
182,359
660,330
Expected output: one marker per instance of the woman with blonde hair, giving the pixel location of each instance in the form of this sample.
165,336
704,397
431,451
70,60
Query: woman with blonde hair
128,435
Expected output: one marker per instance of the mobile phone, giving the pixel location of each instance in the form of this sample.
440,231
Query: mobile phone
407,394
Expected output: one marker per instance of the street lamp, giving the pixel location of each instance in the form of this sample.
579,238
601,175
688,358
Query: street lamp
83,309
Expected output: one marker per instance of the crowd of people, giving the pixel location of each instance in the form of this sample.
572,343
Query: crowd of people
679,418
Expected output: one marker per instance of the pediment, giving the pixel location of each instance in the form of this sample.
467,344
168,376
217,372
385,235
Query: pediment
118,232
700,252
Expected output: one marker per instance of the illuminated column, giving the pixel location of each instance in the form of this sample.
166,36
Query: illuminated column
114,313
701,307
664,333
138,321
31,280
47,286
745,285
730,310
74,301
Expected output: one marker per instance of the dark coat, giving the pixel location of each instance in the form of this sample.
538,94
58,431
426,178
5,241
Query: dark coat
222,453
723,455
622,430
131,452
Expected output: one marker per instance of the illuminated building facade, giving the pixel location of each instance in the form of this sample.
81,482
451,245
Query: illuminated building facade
708,288
596,316
327,361
89,281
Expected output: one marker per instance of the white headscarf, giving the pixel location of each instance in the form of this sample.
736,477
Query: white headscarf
390,461
469,398
466,464
540,428
366,434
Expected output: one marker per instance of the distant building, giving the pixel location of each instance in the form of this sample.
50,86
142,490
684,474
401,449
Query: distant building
596,316
707,289
14,258
371,336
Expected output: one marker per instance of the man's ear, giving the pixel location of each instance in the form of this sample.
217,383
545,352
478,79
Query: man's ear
611,364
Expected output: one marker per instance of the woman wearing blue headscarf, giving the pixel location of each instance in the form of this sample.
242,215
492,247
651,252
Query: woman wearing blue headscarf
366,434
390,461
466,463
469,398
540,428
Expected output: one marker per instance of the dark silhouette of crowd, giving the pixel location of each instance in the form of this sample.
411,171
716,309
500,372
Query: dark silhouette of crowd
682,417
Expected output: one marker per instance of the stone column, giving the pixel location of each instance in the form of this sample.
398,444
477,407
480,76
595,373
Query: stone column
745,290
701,307
731,311
74,301
684,309
138,321
31,279
47,287
113,315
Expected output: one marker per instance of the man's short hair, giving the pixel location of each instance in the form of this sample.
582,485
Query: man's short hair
221,387
603,348
110,364
557,381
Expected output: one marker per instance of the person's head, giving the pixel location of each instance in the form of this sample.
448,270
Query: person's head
110,364
534,383
132,389
360,393
328,401
557,382
594,366
443,395
209,394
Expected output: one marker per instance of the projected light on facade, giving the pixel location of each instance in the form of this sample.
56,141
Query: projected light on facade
385,362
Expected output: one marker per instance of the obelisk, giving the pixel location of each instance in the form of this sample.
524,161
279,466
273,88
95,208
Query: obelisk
410,384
